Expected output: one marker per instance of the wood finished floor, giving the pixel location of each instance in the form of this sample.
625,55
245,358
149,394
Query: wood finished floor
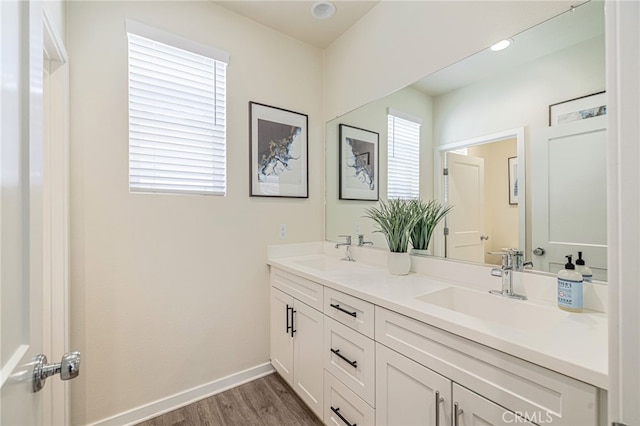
268,401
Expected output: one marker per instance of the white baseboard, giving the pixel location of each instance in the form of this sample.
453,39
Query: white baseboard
170,403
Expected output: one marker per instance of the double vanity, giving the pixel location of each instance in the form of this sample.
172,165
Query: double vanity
363,347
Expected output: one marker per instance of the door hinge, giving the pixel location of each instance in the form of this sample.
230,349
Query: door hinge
445,172
446,231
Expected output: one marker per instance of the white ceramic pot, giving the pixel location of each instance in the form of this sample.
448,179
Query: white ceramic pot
398,263
419,252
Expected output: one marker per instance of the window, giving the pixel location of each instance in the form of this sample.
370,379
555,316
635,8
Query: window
177,90
403,156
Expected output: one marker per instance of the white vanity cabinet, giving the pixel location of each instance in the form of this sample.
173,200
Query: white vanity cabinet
297,339
512,384
356,362
408,393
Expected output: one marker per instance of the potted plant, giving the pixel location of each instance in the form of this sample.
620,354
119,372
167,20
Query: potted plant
428,214
395,219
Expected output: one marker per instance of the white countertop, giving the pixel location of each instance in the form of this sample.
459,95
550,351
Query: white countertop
574,345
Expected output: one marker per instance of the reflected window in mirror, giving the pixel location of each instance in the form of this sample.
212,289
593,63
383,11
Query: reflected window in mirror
403,155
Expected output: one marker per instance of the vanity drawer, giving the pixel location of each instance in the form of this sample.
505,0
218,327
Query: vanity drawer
350,357
350,311
508,381
300,288
340,401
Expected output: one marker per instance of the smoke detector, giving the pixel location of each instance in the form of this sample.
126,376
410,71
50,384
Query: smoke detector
323,9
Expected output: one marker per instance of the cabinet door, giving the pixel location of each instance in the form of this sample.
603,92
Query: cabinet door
476,410
406,392
307,356
281,342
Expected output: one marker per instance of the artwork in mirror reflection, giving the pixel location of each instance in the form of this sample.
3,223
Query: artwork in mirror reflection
358,164
489,93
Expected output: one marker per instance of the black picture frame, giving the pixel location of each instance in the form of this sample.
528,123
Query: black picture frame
582,108
359,164
278,152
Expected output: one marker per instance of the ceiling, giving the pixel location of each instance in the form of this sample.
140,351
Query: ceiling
294,19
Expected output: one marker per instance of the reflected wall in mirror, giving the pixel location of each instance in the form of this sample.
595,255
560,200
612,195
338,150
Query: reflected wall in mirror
491,93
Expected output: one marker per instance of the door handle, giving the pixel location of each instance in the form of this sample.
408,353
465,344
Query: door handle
484,237
456,414
538,251
69,368
439,400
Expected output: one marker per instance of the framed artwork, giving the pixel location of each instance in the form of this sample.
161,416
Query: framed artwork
578,109
278,152
358,166
513,180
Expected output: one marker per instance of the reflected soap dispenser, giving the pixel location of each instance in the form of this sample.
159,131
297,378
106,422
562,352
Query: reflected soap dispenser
570,287
587,274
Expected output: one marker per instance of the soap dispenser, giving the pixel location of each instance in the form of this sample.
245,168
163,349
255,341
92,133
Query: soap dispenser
587,274
570,287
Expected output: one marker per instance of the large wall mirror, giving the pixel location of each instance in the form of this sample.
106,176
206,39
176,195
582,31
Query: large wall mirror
514,139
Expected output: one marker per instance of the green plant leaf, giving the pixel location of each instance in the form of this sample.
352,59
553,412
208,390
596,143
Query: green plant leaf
394,218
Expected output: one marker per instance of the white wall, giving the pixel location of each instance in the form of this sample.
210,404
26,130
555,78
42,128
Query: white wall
171,291
342,215
399,42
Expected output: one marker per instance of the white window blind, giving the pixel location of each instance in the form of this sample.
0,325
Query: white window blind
177,138
403,157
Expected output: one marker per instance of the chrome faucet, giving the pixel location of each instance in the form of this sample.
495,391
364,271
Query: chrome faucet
362,242
512,260
347,244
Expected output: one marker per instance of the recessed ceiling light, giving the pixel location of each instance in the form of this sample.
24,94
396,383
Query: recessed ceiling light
323,9
501,45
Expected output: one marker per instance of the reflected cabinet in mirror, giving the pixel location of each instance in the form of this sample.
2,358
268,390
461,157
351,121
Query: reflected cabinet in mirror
514,140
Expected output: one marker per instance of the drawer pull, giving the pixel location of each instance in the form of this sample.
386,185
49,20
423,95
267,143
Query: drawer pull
354,364
337,411
353,314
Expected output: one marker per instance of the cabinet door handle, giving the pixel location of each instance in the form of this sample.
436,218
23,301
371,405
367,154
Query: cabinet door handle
353,314
293,321
288,326
354,364
337,411
456,414
438,401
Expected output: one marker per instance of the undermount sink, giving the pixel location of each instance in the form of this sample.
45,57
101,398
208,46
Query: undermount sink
327,263
518,314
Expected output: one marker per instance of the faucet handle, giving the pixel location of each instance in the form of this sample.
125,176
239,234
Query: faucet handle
348,238
505,257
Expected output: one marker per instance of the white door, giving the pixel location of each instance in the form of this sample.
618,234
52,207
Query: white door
408,393
569,193
20,210
465,192
474,410
307,356
281,338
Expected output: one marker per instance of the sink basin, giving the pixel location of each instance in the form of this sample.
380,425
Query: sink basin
327,264
518,314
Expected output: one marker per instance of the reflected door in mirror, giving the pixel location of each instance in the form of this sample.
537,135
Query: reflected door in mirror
569,194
